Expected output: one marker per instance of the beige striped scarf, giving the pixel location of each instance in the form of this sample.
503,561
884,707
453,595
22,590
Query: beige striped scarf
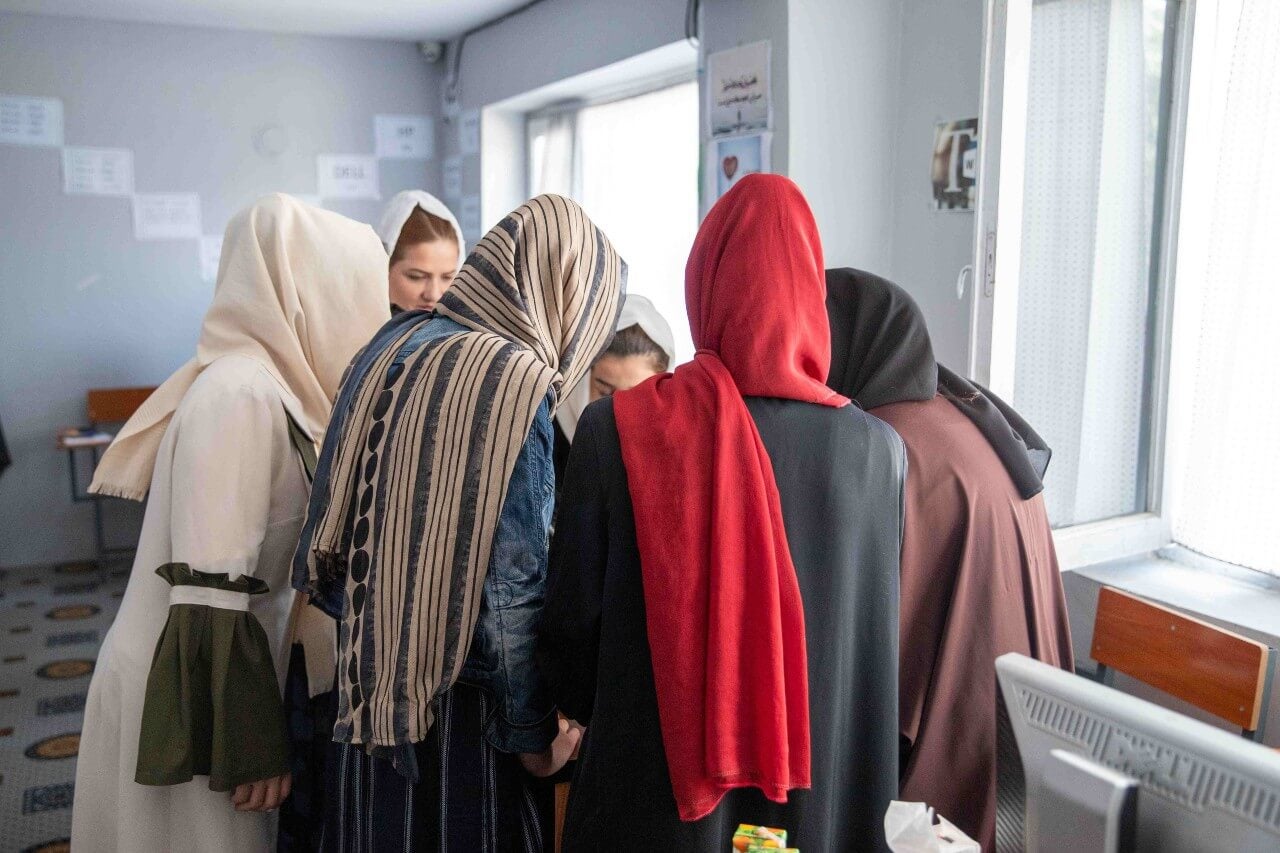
410,484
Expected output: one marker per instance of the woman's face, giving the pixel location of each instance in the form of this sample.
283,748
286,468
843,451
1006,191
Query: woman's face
619,373
423,274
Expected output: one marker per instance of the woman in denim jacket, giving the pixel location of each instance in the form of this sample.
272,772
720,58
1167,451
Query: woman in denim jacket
434,571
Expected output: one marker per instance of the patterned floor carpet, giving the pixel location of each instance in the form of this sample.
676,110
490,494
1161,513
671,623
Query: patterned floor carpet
52,621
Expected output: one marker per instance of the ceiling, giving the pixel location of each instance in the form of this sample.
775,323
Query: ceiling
408,20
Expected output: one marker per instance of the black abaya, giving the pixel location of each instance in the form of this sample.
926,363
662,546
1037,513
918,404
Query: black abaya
840,478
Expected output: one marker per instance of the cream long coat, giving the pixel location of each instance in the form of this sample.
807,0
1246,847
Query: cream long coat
228,494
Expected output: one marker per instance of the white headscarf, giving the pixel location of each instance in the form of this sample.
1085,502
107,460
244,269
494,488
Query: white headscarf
636,311
397,213
299,290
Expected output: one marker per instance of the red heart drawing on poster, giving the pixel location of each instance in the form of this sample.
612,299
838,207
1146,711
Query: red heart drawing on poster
730,165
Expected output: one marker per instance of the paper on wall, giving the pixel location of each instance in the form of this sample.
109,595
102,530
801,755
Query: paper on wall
732,158
166,216
469,218
210,253
30,121
403,137
97,171
453,178
469,132
738,90
347,176
449,105
954,167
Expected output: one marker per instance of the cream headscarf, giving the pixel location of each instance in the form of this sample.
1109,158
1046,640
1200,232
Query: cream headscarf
397,213
300,290
636,311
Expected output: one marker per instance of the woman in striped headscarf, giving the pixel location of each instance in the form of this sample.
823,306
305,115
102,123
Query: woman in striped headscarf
426,538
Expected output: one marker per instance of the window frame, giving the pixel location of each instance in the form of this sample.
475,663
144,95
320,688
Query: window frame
994,299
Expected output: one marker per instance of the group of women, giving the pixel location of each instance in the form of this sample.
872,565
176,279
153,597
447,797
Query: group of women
765,588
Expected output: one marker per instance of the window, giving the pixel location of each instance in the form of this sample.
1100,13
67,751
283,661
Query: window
632,164
1126,215
1088,231
1225,465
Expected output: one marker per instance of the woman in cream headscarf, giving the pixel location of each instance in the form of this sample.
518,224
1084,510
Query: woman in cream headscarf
188,680
425,243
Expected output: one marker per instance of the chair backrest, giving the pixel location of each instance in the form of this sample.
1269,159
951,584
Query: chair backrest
115,405
1209,667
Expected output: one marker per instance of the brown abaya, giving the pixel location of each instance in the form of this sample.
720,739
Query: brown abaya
979,574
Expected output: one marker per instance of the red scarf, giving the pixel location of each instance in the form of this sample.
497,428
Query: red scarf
725,618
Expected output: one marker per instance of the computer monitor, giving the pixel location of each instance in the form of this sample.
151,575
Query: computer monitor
1199,788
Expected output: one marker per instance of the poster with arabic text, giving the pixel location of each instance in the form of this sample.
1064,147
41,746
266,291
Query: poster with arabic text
738,89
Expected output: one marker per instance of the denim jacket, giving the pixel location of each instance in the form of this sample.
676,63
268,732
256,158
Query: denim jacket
500,659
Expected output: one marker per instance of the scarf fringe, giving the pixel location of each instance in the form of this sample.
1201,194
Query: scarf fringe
108,490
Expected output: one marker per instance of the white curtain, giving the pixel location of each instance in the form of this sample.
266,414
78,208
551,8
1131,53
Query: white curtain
633,166
553,153
1228,471
1083,292
639,169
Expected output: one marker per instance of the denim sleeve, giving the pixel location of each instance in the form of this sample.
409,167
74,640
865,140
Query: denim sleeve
501,658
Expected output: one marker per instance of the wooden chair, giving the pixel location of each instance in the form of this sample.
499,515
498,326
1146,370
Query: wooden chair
114,405
104,406
1215,670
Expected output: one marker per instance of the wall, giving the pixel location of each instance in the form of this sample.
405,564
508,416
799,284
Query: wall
868,81
939,80
730,23
82,304
843,106
551,41
857,87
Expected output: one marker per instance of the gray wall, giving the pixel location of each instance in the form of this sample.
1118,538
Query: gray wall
857,85
869,79
939,80
82,304
844,106
551,41
730,23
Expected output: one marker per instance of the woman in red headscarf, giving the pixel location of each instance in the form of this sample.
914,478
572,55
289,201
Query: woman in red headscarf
723,593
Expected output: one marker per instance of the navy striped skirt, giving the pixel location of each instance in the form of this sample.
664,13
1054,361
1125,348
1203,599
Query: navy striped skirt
470,798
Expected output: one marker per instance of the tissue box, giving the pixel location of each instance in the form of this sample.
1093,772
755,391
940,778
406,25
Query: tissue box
759,839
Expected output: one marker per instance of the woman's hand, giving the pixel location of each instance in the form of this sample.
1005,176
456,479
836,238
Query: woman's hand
549,762
262,796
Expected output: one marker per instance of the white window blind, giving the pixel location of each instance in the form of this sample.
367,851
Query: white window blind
1228,471
1085,285
633,166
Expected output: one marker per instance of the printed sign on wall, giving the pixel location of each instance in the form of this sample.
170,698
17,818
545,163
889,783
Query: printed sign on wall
97,171
738,90
166,216
453,178
30,121
736,157
347,176
469,132
954,170
403,137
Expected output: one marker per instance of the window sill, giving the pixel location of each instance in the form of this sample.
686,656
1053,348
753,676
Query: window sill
1083,545
1244,601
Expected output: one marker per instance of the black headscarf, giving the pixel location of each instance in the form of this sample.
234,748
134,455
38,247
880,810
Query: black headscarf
881,354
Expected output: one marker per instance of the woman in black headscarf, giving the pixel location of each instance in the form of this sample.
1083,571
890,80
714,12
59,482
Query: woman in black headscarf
979,574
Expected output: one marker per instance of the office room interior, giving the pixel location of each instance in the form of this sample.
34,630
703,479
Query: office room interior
639,425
